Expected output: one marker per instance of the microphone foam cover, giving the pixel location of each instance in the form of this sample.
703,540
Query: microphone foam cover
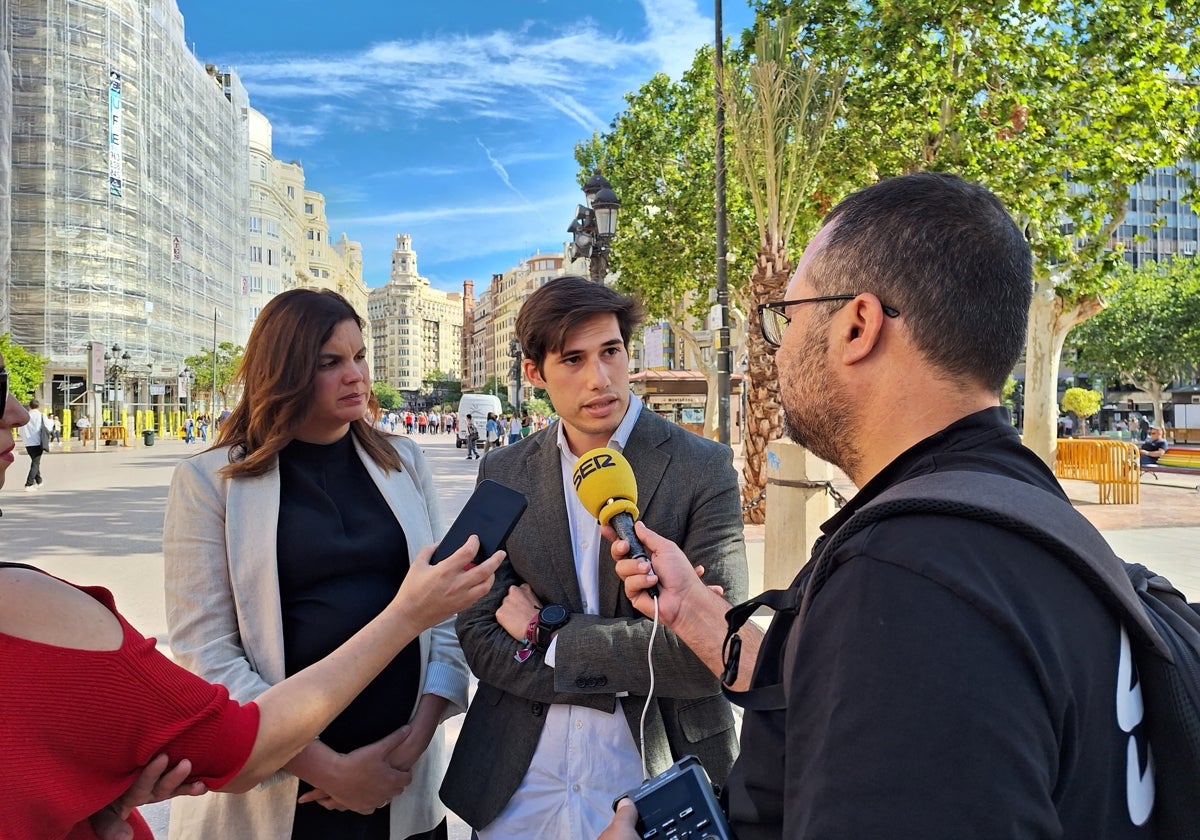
604,481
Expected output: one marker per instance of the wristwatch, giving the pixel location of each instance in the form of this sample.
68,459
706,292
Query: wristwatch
551,619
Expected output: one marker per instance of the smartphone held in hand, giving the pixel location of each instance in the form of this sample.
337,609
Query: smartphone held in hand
490,514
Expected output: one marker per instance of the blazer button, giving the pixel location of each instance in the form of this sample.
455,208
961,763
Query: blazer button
601,681
580,682
536,708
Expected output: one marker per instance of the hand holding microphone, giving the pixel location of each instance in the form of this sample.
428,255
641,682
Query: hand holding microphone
606,486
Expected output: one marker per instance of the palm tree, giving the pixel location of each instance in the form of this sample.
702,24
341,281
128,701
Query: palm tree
782,108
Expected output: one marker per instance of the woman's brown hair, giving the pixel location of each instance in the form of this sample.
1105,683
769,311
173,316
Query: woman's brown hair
276,375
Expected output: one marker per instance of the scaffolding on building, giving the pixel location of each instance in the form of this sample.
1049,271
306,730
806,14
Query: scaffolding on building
129,190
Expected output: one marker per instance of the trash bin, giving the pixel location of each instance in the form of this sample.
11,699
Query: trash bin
148,437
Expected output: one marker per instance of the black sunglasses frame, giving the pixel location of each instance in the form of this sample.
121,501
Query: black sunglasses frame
3,391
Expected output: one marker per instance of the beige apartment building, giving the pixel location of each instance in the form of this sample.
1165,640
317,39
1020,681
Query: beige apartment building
490,319
416,329
288,235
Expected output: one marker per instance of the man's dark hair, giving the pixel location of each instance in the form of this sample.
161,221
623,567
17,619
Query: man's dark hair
562,304
946,254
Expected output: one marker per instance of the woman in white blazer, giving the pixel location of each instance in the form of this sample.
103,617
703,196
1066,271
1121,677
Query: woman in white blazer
283,538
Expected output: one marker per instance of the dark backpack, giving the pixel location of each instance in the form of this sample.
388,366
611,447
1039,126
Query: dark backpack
1163,628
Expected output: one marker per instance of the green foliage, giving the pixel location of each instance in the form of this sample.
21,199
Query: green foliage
444,390
537,405
1034,100
25,370
229,356
1006,393
387,396
658,155
1081,402
1149,334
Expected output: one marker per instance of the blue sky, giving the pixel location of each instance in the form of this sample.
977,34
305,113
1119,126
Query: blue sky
454,122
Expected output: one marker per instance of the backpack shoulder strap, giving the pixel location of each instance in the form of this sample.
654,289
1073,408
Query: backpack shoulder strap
1025,509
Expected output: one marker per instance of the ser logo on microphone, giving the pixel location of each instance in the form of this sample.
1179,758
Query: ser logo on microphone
590,465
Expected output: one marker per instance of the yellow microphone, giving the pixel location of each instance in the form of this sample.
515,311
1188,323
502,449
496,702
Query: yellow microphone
606,486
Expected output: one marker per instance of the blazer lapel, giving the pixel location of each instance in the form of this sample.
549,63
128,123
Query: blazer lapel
549,534
252,522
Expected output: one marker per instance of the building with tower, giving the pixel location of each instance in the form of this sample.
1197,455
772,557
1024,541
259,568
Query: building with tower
415,329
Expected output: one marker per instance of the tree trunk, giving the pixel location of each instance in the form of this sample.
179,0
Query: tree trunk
764,419
1049,323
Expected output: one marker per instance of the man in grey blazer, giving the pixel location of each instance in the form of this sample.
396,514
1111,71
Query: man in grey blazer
553,732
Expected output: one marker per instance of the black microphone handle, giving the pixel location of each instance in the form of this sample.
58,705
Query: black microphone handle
623,524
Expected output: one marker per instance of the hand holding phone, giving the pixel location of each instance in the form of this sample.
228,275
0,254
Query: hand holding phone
491,514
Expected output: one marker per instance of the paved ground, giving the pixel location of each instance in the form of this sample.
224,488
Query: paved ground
98,520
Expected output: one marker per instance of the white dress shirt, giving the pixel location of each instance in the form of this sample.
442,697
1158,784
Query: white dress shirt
585,758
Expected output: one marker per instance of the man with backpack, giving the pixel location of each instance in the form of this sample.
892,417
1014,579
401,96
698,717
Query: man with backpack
944,666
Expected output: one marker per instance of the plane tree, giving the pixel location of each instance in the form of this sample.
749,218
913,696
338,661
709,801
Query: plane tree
1058,107
1149,333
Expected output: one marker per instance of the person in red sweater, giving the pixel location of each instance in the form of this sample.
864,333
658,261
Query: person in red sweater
94,716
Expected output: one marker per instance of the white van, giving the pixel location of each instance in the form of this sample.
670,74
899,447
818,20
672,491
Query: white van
478,406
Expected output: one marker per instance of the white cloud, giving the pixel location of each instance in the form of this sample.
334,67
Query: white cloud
528,73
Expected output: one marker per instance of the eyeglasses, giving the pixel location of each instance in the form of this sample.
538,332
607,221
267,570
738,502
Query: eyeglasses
773,321
3,391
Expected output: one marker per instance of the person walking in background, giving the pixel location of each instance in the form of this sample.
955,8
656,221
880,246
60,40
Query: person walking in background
491,433
556,729
526,425
36,438
514,429
472,439
283,540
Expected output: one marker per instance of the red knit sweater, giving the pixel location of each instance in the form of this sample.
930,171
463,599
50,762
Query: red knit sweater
77,726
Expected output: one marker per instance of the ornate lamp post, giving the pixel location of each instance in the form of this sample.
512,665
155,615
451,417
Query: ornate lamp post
594,226
118,364
514,373
186,379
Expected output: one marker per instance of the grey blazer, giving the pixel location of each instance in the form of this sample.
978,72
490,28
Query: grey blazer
225,624
688,492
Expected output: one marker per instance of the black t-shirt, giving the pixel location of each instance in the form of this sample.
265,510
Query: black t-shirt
342,557
1153,445
951,680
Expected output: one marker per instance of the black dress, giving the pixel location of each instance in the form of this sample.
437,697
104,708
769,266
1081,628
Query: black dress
342,556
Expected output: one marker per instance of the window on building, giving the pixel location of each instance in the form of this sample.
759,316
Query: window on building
271,259
308,207
255,224
291,192
255,283
256,253
273,227
310,234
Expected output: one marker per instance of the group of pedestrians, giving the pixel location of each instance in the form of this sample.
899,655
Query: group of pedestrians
950,678
195,428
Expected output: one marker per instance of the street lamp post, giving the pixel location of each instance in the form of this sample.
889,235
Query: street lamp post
514,350
186,379
118,363
594,226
